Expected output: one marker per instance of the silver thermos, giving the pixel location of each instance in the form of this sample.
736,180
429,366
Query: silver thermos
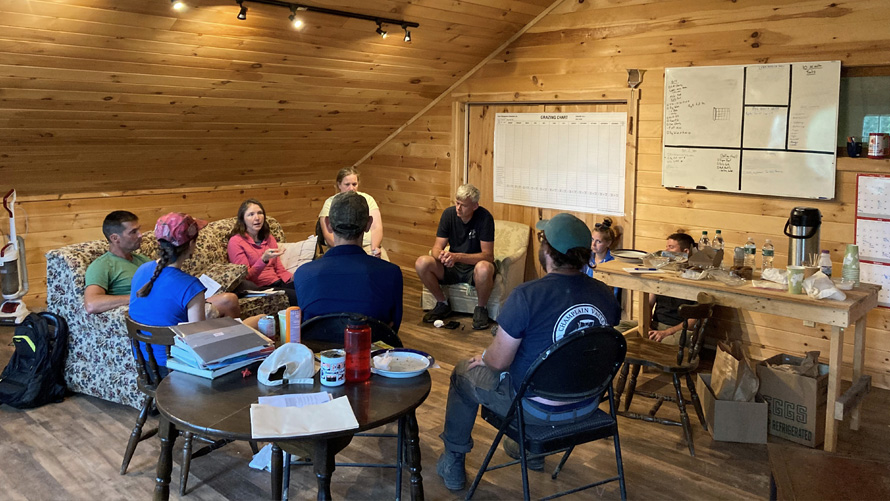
802,230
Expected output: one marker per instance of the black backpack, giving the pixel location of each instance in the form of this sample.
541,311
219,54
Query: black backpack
34,376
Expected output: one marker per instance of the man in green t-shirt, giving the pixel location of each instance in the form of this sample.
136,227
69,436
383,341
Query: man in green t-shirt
108,277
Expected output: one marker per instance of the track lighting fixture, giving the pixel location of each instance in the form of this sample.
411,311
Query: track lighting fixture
177,4
298,23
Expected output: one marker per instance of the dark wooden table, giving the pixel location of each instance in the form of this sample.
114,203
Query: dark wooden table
799,473
220,408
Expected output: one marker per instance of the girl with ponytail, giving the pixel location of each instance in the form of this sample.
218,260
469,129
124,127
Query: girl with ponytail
161,293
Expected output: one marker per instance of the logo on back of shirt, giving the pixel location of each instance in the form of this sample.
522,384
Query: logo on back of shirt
577,317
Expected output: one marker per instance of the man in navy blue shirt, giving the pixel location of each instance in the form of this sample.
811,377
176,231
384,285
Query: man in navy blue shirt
536,315
468,230
346,279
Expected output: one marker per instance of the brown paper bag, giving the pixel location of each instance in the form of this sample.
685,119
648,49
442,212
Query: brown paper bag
732,377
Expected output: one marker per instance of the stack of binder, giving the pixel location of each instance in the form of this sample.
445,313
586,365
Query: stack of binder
215,347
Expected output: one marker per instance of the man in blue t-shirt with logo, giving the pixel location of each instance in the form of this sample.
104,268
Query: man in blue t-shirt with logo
536,315
468,230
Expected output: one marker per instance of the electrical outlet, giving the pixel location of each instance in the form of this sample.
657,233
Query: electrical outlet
808,323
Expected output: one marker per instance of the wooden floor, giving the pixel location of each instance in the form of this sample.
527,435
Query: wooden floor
72,450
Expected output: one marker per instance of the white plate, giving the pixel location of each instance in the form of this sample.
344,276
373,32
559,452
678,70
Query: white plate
629,255
405,363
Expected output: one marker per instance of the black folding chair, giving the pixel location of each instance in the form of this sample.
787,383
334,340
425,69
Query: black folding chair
149,376
329,328
580,366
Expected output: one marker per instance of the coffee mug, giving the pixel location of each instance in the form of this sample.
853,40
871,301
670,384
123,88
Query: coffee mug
795,279
333,367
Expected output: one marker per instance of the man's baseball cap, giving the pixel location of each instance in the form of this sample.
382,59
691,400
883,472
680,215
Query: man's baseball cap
178,228
349,212
565,232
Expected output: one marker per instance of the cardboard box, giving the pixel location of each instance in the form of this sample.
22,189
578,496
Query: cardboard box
797,403
730,421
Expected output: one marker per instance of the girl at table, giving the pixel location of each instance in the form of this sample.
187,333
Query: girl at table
602,237
251,243
348,180
161,293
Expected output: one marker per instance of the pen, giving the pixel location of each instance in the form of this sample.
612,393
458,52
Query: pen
645,269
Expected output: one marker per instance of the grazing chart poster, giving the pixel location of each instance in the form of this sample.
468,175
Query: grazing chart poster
563,161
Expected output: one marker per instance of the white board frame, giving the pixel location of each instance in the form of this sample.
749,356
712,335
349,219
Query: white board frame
766,129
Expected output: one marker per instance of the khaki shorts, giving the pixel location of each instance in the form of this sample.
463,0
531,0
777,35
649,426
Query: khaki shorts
210,311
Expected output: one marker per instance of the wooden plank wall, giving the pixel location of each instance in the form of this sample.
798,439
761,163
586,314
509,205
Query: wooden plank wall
588,46
48,223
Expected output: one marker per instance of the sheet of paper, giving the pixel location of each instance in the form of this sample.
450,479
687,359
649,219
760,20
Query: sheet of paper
212,285
296,399
267,421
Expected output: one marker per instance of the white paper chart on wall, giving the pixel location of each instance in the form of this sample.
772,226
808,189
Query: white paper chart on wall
564,161
767,129
873,232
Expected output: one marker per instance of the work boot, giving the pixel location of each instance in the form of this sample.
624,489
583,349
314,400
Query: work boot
451,468
440,312
480,318
512,449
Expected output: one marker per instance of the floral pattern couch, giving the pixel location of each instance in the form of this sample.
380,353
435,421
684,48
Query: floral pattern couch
100,361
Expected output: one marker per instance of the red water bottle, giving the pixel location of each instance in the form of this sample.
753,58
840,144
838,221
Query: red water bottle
357,343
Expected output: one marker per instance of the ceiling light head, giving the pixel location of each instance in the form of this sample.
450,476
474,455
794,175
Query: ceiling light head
379,30
242,14
297,23
407,33
177,4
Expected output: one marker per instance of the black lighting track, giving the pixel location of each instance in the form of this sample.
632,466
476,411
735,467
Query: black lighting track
334,12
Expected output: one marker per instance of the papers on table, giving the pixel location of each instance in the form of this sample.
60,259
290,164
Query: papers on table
272,421
212,285
296,399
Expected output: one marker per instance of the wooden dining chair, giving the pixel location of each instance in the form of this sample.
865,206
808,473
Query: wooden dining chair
329,329
676,361
149,376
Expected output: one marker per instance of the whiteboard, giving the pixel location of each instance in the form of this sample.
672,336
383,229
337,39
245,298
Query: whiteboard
563,161
766,129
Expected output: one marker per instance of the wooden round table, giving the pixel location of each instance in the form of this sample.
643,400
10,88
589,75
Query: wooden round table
220,408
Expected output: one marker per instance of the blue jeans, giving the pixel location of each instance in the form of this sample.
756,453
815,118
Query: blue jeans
483,386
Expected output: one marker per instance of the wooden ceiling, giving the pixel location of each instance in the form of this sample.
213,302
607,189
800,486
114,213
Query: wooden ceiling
102,94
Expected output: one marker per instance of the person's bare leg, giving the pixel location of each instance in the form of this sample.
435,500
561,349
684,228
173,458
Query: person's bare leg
227,304
253,322
430,271
483,278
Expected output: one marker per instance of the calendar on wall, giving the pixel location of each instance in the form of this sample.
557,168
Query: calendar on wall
564,161
873,232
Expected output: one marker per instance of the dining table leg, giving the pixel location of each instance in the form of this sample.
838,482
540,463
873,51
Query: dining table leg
414,465
277,472
324,462
835,357
644,314
167,434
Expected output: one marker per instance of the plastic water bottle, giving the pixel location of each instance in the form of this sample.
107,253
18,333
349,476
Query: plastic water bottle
850,271
825,263
357,343
768,251
750,253
704,241
718,243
